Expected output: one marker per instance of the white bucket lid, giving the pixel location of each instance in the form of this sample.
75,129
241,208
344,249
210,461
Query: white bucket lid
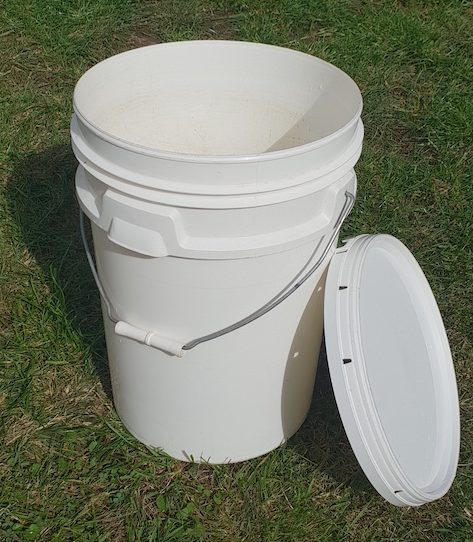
391,370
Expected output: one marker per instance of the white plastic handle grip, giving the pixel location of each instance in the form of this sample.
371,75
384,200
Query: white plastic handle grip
150,338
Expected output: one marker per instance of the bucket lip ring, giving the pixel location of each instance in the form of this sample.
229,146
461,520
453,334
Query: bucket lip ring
218,158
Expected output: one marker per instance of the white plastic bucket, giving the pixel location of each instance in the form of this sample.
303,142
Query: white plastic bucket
215,173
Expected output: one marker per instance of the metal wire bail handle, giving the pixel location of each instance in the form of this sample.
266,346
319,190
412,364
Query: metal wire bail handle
176,348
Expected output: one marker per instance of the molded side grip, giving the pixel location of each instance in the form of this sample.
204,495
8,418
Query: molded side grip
136,238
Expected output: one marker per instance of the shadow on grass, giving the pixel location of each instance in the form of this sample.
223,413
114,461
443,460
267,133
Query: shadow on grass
41,198
322,439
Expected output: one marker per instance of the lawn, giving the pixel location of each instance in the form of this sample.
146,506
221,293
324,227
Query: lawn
68,469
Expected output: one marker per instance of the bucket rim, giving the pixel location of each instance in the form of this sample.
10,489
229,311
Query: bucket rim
217,158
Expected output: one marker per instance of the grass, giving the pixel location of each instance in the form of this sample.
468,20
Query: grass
68,469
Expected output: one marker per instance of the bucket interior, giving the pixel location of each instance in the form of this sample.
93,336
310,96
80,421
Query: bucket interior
216,98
